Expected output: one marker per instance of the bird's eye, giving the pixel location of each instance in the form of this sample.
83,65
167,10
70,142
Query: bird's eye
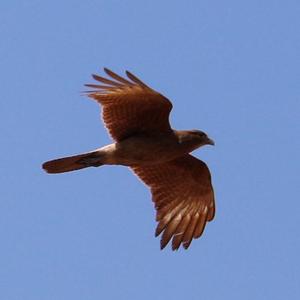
202,134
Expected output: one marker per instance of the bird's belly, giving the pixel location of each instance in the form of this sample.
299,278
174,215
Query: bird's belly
145,151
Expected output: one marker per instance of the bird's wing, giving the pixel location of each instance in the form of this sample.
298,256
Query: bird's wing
130,106
183,196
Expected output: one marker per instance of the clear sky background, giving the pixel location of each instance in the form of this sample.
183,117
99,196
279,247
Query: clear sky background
231,68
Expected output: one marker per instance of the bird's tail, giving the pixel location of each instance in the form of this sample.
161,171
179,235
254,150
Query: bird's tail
72,163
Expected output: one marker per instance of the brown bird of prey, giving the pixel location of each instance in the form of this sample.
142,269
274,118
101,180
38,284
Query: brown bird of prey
137,118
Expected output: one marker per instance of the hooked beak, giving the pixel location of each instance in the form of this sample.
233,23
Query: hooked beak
210,142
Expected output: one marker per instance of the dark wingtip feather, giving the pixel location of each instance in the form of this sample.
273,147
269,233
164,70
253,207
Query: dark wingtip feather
175,248
96,86
106,81
186,244
135,79
176,241
160,227
163,244
117,77
107,70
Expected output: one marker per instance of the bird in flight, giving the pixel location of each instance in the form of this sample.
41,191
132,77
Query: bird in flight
137,118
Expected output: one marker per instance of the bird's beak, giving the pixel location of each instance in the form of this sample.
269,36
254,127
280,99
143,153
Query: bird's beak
210,142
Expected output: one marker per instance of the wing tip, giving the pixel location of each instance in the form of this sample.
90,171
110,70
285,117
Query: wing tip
175,247
163,244
107,70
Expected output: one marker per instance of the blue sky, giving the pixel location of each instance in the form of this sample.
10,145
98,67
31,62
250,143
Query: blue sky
231,68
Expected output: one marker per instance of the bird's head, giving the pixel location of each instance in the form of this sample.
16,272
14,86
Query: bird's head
201,137
193,139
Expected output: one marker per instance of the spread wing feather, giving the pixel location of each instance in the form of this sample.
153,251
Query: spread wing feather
129,105
183,196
